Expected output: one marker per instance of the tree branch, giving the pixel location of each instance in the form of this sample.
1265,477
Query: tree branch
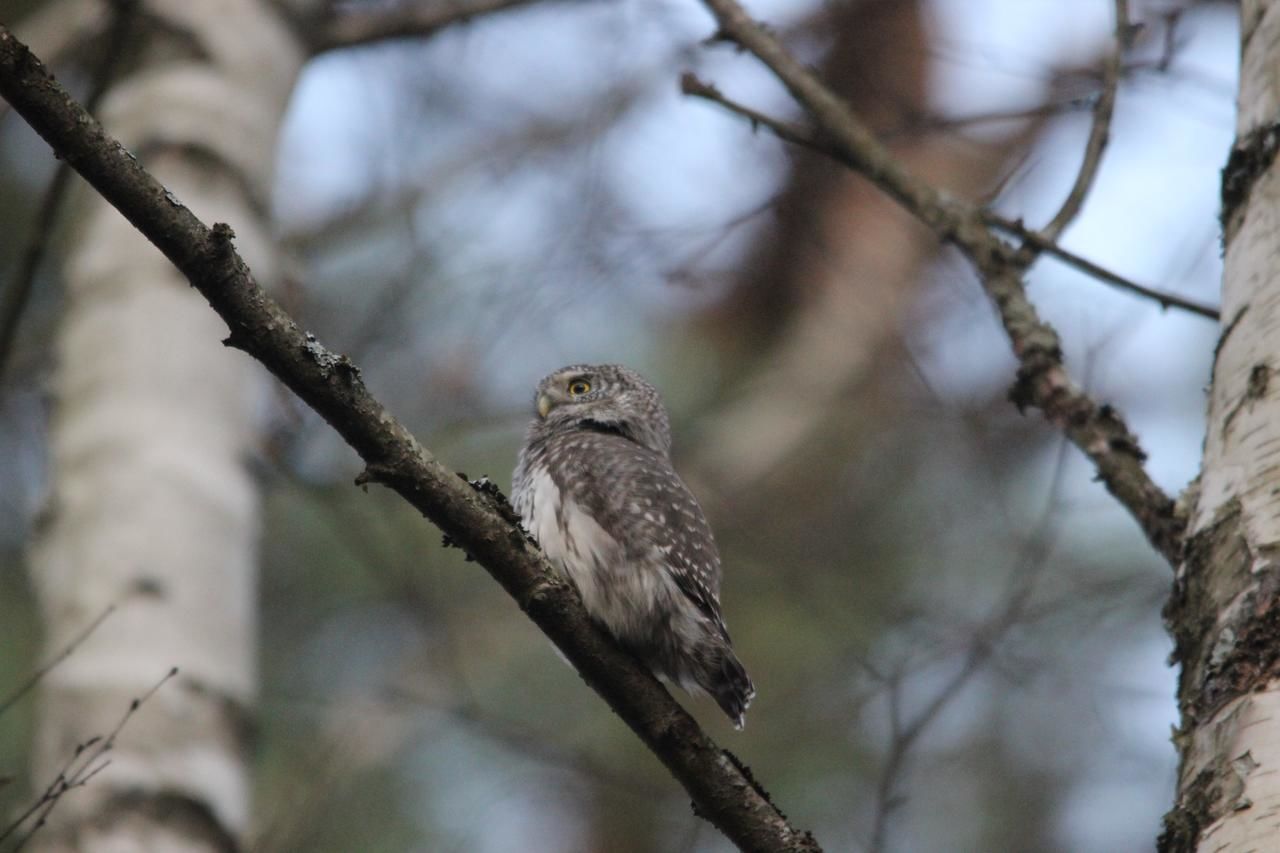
473,517
366,24
1042,381
88,760
1041,242
1099,132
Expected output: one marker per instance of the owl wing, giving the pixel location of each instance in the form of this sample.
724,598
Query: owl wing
637,498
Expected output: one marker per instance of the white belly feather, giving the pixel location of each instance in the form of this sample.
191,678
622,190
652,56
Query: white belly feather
622,593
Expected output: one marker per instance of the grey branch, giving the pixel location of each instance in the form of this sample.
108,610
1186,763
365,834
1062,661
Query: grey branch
721,787
1042,243
1099,132
369,23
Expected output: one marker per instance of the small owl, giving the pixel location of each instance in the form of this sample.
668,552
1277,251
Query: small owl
595,486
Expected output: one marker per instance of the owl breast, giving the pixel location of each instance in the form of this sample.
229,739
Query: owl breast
624,592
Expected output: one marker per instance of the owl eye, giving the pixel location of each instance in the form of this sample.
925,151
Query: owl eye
578,387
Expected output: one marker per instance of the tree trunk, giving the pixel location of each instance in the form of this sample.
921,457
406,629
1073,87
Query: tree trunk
1224,613
152,508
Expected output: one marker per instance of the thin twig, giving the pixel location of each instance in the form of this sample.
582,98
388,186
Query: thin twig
84,763
1042,381
1090,268
18,294
1099,132
66,652
940,124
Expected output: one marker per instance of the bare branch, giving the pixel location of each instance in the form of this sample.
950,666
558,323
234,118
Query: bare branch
87,761
366,24
1042,381
796,134
1099,133
474,517
981,648
941,124
10,700
1041,242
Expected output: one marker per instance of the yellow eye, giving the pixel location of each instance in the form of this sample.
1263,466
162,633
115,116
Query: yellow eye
578,387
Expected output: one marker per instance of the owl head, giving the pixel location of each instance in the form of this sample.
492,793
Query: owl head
607,397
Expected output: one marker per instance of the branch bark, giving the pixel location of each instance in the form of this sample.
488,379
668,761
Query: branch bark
721,787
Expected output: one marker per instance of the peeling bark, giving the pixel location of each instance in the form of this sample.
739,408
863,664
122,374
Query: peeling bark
1224,613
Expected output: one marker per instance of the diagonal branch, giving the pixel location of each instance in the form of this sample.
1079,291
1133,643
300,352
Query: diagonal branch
472,516
1042,381
1041,242
369,23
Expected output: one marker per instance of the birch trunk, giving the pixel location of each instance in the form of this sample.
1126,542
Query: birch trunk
1225,610
151,505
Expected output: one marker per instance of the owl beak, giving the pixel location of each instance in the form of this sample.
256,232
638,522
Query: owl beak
544,404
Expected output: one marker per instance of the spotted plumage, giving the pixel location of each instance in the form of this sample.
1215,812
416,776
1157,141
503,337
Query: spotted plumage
595,486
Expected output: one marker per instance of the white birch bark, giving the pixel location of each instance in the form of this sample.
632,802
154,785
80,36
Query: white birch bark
1224,610
151,505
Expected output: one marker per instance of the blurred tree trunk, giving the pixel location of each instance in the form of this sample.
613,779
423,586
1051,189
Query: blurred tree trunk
815,308
152,507
1224,613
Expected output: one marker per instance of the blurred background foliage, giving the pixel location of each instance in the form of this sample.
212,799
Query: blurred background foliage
955,633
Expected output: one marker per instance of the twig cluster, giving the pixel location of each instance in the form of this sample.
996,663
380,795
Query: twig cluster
86,761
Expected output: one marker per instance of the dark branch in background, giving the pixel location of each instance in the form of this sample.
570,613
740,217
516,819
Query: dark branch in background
354,25
18,292
1042,381
1010,614
473,517
27,686
85,762
925,123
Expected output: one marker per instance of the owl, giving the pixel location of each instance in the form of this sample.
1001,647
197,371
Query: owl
595,486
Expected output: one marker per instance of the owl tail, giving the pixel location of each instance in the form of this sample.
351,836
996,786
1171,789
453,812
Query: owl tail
731,687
